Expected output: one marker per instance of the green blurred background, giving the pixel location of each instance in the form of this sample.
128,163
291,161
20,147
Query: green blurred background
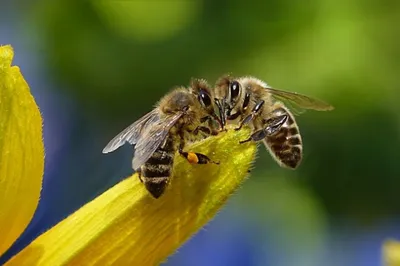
96,66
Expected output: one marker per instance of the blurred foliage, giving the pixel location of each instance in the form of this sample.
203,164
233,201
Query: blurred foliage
119,57
298,219
106,67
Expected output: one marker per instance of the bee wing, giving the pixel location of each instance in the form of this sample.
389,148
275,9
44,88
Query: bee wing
153,136
299,102
131,133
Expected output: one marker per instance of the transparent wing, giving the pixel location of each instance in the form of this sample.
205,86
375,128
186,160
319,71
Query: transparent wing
294,108
131,133
299,102
152,137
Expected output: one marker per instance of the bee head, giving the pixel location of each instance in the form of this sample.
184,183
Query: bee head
177,101
202,90
228,91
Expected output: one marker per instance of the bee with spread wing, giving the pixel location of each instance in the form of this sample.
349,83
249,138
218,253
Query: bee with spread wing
180,116
248,100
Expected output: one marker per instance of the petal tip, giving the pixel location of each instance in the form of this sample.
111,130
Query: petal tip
6,56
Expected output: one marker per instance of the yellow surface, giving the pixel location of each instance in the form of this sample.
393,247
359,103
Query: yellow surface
126,226
21,152
391,253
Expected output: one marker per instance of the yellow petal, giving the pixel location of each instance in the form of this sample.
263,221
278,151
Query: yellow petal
126,226
391,253
21,151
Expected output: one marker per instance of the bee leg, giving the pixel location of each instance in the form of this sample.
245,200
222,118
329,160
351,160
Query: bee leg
256,136
252,115
210,120
196,158
204,119
202,129
273,125
193,157
139,172
246,140
246,120
208,130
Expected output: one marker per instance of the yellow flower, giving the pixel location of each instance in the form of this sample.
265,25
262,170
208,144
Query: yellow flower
21,152
391,253
124,225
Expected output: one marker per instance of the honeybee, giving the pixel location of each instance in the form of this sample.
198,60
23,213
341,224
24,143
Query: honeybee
248,100
184,114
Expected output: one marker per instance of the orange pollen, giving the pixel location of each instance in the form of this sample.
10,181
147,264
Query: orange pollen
192,157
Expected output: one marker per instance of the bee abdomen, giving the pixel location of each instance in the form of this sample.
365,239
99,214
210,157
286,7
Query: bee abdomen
155,178
157,171
161,157
290,156
156,185
286,145
154,170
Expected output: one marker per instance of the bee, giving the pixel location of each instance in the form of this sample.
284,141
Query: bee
248,100
184,114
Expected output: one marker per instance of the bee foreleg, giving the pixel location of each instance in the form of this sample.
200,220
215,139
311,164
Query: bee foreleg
139,172
252,115
196,158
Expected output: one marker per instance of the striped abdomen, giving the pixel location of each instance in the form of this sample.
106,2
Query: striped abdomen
285,145
156,172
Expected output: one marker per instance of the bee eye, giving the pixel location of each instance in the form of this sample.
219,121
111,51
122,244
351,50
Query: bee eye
234,88
204,98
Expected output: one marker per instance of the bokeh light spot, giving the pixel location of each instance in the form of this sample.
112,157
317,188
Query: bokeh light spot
148,21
